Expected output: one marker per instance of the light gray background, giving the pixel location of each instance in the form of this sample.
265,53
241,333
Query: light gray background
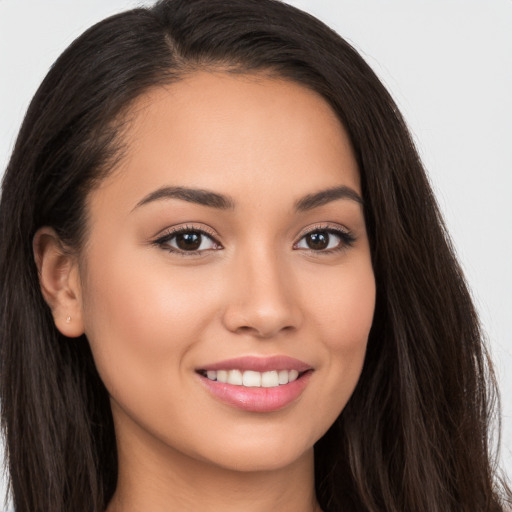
448,64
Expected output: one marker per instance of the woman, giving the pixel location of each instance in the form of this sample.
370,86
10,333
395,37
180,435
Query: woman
227,284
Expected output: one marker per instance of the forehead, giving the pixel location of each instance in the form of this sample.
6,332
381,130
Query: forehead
237,133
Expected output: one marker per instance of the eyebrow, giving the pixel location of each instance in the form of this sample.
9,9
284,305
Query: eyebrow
326,196
222,202
191,195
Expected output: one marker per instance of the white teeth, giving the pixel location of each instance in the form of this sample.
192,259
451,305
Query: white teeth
269,379
235,377
283,377
252,379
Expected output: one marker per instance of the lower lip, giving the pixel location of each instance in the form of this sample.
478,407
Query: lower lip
258,399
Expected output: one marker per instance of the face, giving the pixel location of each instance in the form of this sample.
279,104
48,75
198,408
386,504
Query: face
227,287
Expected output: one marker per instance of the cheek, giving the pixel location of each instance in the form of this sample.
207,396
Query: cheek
355,316
344,305
344,317
140,318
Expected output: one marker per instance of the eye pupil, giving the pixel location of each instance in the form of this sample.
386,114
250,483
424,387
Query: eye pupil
318,240
189,241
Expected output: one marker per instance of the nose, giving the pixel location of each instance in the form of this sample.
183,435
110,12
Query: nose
262,300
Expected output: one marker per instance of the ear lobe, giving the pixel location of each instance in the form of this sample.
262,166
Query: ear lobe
59,279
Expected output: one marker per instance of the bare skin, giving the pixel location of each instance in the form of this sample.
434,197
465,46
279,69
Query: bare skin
275,272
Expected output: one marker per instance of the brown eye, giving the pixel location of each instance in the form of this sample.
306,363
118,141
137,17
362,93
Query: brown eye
318,240
190,241
325,240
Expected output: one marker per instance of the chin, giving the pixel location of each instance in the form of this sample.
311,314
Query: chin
260,452
262,461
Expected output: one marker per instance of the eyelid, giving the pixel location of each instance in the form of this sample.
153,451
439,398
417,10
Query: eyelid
347,236
323,226
164,236
188,226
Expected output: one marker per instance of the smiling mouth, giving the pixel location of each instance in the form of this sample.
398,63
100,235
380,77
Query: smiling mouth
253,379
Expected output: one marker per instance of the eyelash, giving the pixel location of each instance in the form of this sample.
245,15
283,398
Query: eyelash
164,240
347,240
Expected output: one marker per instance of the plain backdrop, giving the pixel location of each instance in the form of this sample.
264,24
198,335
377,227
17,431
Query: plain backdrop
447,63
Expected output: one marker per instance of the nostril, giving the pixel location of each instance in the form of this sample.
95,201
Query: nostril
262,316
261,331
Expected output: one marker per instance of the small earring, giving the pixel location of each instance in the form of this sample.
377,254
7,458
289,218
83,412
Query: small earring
68,319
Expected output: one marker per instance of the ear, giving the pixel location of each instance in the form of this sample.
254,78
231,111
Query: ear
59,279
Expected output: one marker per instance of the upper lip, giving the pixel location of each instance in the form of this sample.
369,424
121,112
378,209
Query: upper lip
259,364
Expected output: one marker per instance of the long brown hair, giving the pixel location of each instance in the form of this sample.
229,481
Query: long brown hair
414,435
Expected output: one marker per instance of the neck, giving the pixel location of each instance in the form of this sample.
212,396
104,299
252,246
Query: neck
158,478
